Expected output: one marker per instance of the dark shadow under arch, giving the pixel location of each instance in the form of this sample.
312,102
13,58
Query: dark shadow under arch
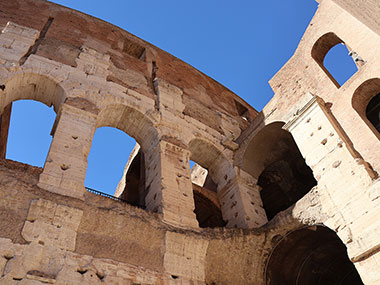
313,256
275,160
373,112
207,206
365,101
132,185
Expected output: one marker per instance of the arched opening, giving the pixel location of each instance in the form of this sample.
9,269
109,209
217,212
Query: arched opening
116,162
366,102
273,158
26,125
312,256
207,207
29,136
336,60
373,112
114,165
131,188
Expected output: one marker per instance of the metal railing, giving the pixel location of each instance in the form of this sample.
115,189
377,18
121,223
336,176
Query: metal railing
105,195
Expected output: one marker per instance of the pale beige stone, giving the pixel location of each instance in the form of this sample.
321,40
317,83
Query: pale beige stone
69,238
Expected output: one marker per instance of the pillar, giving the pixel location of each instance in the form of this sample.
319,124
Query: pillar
169,185
5,118
240,200
66,164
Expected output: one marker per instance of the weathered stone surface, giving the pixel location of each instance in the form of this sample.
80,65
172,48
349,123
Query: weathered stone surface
312,146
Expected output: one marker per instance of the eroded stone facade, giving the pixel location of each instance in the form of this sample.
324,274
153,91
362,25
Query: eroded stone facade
267,189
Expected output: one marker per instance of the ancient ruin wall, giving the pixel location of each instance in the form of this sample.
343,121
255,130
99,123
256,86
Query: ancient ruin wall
329,125
98,75
95,74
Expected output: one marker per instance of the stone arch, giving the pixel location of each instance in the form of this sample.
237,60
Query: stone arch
26,86
130,121
32,86
211,158
323,46
208,156
273,158
361,98
141,128
313,255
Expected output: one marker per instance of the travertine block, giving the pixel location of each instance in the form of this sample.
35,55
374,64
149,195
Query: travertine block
92,62
185,256
15,41
52,225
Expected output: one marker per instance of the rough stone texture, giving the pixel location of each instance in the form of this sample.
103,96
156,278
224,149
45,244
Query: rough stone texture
95,75
198,175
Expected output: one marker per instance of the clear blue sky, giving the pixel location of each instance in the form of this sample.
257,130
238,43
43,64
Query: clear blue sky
241,44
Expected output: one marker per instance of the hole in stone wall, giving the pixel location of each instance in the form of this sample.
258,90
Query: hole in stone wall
242,110
313,256
29,136
333,56
366,102
134,49
8,256
100,275
274,158
373,112
340,64
207,208
116,166
284,182
82,271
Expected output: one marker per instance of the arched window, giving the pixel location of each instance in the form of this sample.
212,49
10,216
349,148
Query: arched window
26,125
207,206
116,166
121,130
373,112
29,136
336,60
274,159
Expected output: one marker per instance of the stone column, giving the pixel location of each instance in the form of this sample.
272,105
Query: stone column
5,118
348,195
240,200
169,185
66,164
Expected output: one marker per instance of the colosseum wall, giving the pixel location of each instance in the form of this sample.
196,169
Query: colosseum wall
295,184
